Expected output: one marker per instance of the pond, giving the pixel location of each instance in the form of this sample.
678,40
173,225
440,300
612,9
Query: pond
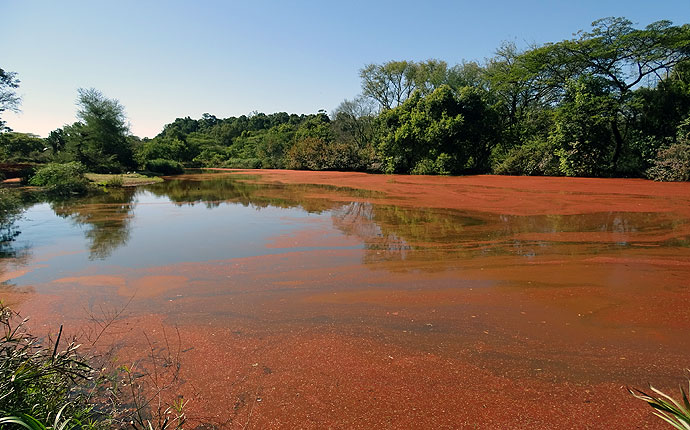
346,300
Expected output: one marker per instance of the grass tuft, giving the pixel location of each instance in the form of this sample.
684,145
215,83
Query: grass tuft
675,412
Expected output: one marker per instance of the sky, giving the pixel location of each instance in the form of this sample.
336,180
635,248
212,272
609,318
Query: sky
168,59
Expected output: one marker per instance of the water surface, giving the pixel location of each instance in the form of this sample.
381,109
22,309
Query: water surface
381,301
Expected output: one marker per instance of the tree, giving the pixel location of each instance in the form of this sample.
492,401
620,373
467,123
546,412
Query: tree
618,55
99,140
519,94
353,120
582,134
21,146
393,82
9,100
56,140
389,84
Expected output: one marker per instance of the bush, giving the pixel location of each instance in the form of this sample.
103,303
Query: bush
61,179
314,153
671,164
164,167
51,384
38,379
440,166
114,182
531,159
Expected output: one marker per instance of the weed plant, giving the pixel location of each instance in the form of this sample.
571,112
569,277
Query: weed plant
55,385
675,412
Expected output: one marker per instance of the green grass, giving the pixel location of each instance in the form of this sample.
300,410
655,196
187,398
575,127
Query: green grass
53,384
37,379
128,179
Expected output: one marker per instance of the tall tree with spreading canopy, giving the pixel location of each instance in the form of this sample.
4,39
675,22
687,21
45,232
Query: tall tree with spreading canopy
9,100
619,56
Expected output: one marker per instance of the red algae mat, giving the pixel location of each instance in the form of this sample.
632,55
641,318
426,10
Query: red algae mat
473,302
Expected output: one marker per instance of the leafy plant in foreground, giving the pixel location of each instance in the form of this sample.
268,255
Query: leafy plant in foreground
674,412
37,380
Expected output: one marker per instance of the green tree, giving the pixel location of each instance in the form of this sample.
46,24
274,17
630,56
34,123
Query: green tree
389,84
99,140
618,55
9,100
424,132
519,94
582,133
56,140
21,146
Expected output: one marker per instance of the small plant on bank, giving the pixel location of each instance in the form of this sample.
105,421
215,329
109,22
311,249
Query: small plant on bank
115,182
674,412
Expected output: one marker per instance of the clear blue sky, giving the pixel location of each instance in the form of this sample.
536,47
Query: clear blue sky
171,59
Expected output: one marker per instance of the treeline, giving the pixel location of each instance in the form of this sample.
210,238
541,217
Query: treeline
612,101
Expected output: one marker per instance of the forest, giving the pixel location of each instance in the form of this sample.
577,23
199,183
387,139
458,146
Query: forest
613,101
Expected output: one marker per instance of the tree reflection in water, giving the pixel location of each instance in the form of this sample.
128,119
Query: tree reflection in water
107,217
389,233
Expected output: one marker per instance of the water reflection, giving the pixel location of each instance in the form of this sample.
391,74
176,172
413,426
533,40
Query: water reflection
107,218
386,232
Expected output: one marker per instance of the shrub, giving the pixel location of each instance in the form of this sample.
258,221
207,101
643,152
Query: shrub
672,163
314,153
440,166
114,182
532,159
52,385
36,380
164,167
61,179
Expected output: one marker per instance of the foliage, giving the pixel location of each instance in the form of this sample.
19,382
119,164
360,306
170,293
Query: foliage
164,148
674,412
42,383
100,139
313,153
536,158
21,147
607,102
672,163
164,167
444,132
583,133
61,179
9,100
391,83
36,380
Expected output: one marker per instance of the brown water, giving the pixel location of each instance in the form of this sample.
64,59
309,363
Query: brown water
315,300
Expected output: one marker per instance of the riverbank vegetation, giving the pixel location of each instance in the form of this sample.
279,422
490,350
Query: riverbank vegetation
55,383
613,101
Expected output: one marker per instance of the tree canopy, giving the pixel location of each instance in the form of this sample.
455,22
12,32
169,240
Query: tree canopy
9,100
